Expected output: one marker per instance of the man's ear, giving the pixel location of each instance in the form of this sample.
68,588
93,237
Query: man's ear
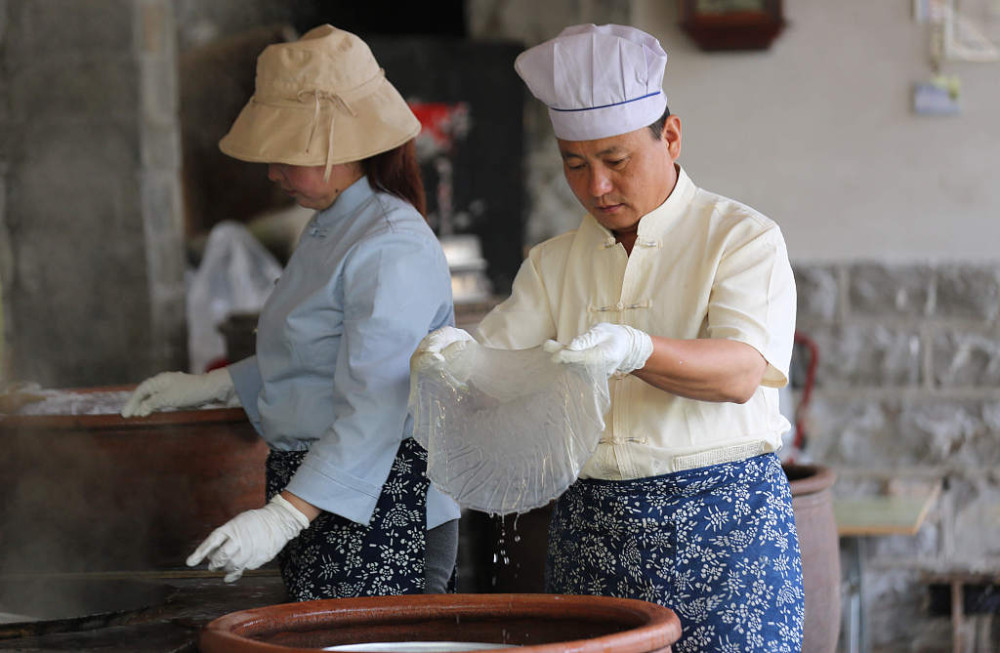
672,136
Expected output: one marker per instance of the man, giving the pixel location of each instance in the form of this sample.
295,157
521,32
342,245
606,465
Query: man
688,300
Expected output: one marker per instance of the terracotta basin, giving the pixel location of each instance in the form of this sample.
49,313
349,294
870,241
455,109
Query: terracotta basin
100,492
538,623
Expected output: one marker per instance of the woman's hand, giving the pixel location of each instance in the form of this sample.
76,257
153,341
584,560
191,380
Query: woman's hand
250,539
179,390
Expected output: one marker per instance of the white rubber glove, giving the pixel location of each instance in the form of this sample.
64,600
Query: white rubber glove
180,390
439,348
435,342
614,347
250,539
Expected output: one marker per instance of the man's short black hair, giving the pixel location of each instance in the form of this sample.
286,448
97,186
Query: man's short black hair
657,127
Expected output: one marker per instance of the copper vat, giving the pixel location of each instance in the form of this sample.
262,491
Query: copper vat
100,492
539,623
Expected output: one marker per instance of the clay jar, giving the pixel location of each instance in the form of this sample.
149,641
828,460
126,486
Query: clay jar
539,623
812,503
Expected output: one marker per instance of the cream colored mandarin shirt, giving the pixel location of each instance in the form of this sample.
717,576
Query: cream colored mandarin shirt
703,266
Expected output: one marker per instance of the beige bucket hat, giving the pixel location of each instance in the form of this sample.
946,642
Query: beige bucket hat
321,100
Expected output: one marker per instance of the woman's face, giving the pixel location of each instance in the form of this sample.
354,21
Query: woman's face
305,183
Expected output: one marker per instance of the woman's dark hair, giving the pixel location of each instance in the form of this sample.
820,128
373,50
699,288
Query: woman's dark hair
657,127
397,172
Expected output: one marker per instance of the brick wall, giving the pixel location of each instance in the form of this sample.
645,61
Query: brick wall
908,388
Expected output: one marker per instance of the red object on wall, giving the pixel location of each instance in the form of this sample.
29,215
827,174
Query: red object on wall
800,438
441,121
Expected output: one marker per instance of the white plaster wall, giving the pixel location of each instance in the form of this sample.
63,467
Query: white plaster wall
818,133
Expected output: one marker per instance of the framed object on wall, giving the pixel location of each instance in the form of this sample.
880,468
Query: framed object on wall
732,24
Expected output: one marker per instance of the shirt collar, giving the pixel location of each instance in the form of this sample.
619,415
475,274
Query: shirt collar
347,202
653,223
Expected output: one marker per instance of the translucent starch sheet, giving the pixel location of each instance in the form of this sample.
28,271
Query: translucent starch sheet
506,431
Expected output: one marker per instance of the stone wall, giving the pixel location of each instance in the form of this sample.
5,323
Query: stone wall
92,257
908,392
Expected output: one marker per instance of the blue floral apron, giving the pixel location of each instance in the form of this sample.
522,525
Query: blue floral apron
716,544
339,558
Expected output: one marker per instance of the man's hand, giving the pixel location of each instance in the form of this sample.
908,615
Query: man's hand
613,347
440,349
179,390
435,342
250,539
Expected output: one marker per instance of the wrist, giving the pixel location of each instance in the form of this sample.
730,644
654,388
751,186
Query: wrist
307,510
640,349
221,384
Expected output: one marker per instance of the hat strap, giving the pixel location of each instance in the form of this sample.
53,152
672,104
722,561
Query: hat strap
337,101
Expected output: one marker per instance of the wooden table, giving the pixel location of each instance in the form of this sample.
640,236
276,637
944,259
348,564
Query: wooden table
883,515
866,516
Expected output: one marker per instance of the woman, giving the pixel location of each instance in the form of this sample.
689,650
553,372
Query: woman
350,509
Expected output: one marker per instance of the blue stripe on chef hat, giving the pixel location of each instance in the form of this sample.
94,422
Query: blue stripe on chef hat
597,81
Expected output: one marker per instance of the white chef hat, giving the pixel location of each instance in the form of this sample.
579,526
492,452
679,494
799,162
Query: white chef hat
597,81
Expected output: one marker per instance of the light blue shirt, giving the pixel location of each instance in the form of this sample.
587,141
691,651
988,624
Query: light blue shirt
366,283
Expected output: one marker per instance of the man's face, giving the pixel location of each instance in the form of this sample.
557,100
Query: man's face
621,178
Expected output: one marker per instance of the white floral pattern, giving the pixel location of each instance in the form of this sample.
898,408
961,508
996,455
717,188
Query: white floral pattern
717,545
338,558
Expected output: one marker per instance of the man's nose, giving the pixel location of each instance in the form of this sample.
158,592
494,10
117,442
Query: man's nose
272,172
600,183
